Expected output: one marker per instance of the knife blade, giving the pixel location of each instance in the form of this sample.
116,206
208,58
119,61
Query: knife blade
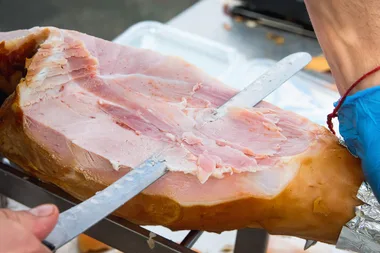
266,83
81,217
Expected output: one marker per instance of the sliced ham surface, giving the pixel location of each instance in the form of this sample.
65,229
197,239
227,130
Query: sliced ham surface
83,111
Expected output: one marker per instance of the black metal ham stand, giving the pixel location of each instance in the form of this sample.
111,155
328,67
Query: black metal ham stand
113,231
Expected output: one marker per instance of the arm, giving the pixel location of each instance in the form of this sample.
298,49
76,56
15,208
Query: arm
349,34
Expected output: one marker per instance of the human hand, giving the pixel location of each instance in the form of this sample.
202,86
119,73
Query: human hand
23,231
359,125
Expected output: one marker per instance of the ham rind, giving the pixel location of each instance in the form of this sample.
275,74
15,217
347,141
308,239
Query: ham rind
87,111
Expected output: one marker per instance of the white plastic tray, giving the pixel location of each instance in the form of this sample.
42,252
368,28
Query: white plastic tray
216,59
303,94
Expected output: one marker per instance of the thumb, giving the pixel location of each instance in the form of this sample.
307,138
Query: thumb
40,220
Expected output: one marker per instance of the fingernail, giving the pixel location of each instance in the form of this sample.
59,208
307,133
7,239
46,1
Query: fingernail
42,211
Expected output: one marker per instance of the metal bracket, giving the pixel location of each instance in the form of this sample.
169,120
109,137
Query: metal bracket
251,240
309,243
3,201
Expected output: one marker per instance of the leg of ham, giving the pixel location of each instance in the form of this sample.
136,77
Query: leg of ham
82,112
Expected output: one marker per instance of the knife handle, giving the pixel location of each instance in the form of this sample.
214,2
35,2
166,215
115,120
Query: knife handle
49,245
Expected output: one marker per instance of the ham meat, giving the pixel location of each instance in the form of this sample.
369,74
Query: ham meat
83,111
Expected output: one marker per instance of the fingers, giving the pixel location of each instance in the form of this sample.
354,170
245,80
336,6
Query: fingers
371,168
46,219
17,239
40,221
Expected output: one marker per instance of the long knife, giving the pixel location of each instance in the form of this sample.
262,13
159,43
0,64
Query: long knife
81,217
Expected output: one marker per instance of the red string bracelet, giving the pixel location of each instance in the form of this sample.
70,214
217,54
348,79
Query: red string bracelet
336,109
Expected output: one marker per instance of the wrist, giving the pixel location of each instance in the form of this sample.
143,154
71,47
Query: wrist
369,82
348,70
358,122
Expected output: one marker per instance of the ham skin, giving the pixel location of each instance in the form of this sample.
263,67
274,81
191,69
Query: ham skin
83,111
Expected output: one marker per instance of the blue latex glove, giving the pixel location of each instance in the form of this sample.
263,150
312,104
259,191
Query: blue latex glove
359,125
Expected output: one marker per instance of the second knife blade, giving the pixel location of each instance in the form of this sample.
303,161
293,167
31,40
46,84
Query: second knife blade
266,83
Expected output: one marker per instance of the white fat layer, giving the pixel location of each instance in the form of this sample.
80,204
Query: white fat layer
34,90
115,165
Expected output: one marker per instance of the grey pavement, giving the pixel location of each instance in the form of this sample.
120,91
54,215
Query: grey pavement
102,18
